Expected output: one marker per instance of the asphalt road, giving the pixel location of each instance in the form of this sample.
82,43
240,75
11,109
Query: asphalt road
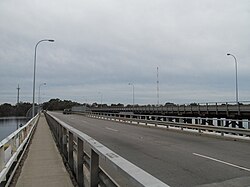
176,158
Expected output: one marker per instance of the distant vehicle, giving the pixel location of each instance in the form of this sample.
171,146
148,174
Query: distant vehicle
67,111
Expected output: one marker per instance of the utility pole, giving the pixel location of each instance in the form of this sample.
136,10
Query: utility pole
17,104
18,90
157,86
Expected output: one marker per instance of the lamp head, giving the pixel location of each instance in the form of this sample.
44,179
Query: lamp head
51,40
228,54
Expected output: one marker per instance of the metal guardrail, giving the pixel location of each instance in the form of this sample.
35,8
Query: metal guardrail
12,149
240,128
94,164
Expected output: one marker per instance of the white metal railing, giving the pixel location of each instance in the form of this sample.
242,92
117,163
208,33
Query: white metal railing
219,126
93,164
12,147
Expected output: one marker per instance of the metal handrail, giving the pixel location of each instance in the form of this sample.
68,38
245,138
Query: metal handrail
12,147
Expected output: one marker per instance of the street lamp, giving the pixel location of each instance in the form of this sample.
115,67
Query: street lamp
39,91
133,92
34,74
236,78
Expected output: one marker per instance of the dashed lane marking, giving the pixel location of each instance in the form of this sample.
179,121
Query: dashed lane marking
221,161
111,129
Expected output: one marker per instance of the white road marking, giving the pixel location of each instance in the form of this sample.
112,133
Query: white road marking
223,162
111,129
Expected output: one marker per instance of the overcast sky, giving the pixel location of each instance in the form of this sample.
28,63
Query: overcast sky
102,45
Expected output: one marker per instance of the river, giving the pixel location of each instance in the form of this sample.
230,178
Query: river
9,125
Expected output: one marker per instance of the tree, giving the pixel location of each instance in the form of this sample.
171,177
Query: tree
17,110
57,104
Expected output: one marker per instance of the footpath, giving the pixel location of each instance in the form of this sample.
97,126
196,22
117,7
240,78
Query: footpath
43,166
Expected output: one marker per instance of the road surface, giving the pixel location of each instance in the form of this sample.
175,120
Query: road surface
176,158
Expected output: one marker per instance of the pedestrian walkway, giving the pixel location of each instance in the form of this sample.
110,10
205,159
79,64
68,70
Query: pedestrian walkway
43,165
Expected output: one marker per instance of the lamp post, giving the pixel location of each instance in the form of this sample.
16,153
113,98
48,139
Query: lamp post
39,92
34,74
133,92
236,79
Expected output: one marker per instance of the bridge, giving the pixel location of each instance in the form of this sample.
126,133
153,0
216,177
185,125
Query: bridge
115,147
219,110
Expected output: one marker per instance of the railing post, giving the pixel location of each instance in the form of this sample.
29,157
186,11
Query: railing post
61,137
240,124
64,142
227,109
181,120
216,108
203,121
57,132
70,152
2,158
13,145
219,122
79,169
238,108
22,137
199,109
94,169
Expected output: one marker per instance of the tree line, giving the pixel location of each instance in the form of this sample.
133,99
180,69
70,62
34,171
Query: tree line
21,109
7,110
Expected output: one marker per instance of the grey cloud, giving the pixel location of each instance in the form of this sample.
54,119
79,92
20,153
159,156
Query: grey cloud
101,46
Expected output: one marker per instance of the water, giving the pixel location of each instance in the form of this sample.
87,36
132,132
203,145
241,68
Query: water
9,125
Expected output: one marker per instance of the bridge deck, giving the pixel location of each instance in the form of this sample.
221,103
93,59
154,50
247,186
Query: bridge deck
43,165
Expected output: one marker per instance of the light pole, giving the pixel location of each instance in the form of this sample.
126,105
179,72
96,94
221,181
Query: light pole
236,78
39,92
133,92
34,74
